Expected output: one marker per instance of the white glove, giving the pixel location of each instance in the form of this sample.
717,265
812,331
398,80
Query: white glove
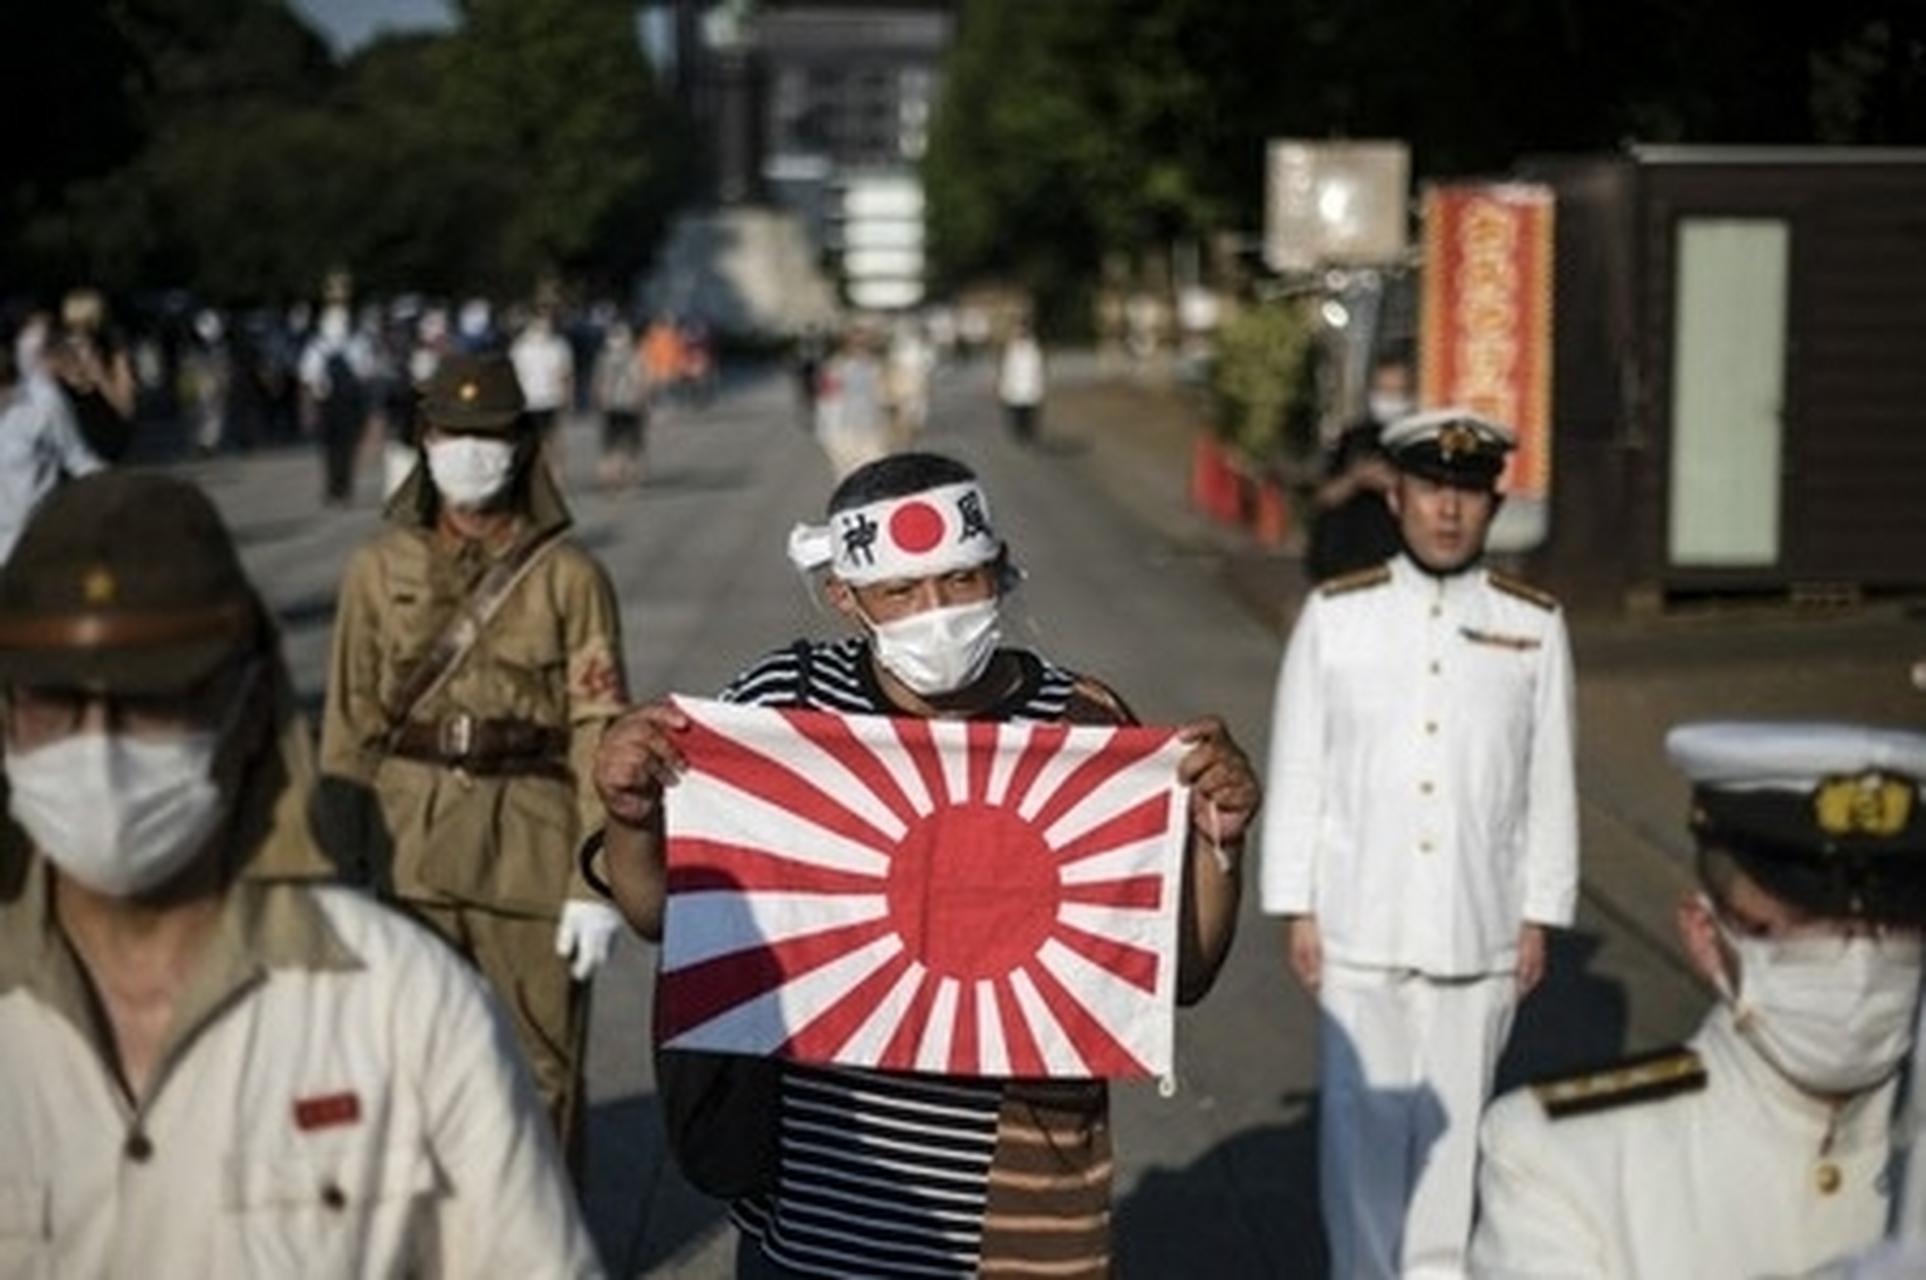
585,935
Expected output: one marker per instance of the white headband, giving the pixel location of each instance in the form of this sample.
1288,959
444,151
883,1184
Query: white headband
915,536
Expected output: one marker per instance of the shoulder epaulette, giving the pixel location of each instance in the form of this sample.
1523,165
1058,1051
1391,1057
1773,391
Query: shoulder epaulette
1644,1078
1523,590
1343,584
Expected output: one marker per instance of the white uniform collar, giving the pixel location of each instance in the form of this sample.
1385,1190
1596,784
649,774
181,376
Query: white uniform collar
1865,1121
1450,588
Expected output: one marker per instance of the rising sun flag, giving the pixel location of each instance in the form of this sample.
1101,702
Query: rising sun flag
962,897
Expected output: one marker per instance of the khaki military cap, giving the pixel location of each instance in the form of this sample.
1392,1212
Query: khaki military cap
473,393
124,582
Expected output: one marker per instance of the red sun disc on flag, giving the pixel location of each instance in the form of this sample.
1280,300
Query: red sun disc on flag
916,527
973,891
969,898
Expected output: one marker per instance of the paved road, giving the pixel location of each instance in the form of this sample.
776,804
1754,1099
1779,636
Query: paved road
1125,582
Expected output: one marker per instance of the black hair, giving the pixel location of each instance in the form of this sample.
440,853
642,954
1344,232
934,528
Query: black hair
896,475
11,324
1889,889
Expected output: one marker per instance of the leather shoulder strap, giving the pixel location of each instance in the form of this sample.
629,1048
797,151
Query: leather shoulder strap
465,627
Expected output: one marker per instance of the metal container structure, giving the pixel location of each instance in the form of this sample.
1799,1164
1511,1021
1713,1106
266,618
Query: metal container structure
1739,389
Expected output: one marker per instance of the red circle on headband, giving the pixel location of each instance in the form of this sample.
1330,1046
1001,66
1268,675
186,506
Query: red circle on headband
916,527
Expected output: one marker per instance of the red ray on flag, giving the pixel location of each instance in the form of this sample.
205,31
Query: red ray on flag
963,897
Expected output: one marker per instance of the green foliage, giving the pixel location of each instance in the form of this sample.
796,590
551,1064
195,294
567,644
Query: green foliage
1261,383
1069,133
557,97
229,152
1051,145
1001,158
218,144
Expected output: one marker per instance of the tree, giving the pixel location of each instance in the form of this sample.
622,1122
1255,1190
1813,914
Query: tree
1053,146
553,101
1261,383
217,144
1069,134
1009,143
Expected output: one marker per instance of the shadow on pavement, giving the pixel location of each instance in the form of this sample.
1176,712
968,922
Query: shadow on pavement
1259,1187
1267,1176
1575,1020
640,1211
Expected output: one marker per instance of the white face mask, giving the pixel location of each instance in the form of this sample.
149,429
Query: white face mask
1387,408
470,470
1833,1015
940,650
119,814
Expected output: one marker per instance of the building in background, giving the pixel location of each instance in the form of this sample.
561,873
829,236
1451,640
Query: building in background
1736,374
818,113
849,93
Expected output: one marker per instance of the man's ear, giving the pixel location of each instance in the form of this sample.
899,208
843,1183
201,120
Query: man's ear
1700,936
842,598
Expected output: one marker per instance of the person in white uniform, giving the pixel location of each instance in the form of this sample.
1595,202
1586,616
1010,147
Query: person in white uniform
1420,839
211,1064
1765,1145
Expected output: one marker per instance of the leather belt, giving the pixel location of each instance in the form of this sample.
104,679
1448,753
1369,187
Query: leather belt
479,745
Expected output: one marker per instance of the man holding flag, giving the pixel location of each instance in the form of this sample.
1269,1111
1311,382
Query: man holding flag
961,888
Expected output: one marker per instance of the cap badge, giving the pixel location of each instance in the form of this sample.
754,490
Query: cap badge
1872,804
468,391
99,586
1456,438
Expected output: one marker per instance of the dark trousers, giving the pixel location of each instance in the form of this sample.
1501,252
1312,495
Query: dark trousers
340,437
1023,422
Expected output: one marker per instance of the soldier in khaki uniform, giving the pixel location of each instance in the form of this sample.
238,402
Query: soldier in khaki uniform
212,1062
477,656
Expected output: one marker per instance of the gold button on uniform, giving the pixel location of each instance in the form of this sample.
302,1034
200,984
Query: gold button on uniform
1827,1177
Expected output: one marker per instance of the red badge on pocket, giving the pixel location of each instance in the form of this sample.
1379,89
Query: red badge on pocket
326,1111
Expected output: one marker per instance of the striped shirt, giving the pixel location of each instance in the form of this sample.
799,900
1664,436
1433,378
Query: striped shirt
885,1174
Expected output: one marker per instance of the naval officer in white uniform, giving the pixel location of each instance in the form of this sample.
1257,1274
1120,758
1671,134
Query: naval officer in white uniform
1764,1146
1420,838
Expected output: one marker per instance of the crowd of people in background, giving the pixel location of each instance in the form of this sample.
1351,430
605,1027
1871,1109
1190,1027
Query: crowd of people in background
173,378
160,379
863,389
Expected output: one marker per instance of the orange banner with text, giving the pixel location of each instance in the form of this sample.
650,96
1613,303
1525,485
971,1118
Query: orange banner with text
1486,326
